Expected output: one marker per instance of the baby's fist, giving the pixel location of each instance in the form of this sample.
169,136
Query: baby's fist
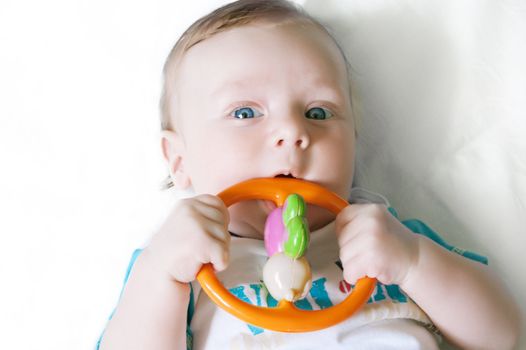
195,233
374,243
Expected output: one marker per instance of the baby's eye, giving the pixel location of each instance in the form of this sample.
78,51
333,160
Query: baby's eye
245,113
318,113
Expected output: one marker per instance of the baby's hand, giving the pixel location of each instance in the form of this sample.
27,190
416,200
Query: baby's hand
195,233
374,243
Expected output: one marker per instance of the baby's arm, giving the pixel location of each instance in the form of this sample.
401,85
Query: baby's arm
152,311
464,299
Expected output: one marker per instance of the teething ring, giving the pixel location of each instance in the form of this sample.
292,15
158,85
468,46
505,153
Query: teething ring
285,317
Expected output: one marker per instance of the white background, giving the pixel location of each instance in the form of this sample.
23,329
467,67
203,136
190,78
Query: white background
80,160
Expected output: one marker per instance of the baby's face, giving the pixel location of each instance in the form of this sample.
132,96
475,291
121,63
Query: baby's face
260,101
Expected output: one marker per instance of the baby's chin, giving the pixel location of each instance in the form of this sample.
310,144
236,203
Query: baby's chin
268,206
247,218
318,217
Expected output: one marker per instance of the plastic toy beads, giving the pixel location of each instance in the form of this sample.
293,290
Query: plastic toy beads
287,273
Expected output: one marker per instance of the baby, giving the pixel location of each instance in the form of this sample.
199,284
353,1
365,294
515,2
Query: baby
259,89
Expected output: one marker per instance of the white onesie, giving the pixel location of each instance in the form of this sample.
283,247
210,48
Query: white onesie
389,320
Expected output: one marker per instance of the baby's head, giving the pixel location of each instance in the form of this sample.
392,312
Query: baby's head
257,89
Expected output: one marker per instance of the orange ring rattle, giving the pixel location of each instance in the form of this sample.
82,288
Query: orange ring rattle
285,317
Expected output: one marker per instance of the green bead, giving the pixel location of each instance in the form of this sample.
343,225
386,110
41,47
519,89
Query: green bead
298,237
294,206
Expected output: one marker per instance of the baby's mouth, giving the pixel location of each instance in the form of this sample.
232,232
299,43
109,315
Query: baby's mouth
287,176
270,205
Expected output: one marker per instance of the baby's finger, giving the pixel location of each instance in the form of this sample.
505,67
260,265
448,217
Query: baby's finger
218,232
188,274
353,277
348,213
346,220
350,251
215,214
218,255
187,271
353,269
213,208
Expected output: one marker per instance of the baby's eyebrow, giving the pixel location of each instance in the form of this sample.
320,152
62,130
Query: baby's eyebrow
233,85
323,89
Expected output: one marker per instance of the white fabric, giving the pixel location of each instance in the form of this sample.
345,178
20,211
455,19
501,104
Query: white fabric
440,87
213,328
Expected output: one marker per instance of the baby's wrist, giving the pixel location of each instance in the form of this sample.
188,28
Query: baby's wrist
155,270
412,270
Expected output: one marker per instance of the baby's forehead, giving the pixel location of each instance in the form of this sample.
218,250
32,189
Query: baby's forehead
256,34
238,16
293,48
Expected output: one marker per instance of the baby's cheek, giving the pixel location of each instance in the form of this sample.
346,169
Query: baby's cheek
335,170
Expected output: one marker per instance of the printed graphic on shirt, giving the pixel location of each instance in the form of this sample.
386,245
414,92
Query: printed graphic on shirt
318,297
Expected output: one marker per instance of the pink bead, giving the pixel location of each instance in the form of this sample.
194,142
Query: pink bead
275,232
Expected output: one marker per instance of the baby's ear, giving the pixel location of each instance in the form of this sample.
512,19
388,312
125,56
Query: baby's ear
173,149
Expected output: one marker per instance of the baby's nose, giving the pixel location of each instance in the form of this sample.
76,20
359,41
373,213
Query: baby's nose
291,134
299,143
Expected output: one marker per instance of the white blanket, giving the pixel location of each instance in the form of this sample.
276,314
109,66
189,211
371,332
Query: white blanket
440,84
440,87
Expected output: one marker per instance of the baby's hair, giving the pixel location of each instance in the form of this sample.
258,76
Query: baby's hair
235,14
